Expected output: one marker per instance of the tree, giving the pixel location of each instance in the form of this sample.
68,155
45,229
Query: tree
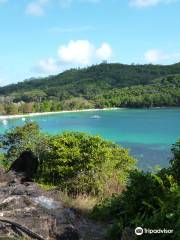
45,106
2,110
11,109
28,137
27,107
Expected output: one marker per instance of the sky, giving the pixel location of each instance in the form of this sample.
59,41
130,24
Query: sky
44,37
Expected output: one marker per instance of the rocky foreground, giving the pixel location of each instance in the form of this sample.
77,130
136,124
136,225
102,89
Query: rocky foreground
29,212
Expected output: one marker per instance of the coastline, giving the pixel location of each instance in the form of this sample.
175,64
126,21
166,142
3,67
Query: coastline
5,117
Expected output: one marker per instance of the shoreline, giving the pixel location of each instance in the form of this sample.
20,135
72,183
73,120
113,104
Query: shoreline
16,116
5,117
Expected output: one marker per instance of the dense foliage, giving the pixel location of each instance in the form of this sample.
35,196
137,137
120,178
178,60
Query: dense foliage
76,162
82,163
19,139
99,86
151,200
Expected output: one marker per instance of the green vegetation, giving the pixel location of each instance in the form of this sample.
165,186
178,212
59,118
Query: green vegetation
2,159
83,164
150,200
19,139
99,86
75,162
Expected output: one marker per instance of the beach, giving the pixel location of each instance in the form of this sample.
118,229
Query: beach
3,117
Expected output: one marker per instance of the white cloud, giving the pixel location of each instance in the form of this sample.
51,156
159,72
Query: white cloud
104,52
49,65
37,7
83,52
153,55
158,56
77,53
147,3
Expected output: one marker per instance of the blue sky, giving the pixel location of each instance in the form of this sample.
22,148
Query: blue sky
43,37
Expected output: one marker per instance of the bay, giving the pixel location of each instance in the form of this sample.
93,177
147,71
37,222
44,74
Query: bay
148,133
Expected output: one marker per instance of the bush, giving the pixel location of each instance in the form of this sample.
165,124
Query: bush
80,163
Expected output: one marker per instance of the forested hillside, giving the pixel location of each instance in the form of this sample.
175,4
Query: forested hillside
98,86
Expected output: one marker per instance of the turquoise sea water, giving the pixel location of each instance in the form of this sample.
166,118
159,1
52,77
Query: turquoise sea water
149,133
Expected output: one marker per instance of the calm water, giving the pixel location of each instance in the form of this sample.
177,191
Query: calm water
148,133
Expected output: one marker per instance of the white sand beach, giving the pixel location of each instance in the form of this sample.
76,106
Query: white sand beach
4,117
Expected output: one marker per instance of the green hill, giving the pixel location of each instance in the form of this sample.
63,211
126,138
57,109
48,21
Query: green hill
103,85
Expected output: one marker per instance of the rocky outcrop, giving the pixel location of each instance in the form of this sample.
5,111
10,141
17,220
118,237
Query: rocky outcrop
29,212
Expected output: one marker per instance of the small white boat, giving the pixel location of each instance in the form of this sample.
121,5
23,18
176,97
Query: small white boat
23,119
95,117
5,122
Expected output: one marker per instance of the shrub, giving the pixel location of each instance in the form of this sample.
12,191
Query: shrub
80,163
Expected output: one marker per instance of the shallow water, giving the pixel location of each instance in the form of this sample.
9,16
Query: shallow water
149,133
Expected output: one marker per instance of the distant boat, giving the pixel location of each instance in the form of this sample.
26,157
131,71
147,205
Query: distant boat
95,117
5,122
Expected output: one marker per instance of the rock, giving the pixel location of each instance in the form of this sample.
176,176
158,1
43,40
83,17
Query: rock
33,208
27,164
41,211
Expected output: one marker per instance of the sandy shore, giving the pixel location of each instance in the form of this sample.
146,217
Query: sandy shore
3,117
